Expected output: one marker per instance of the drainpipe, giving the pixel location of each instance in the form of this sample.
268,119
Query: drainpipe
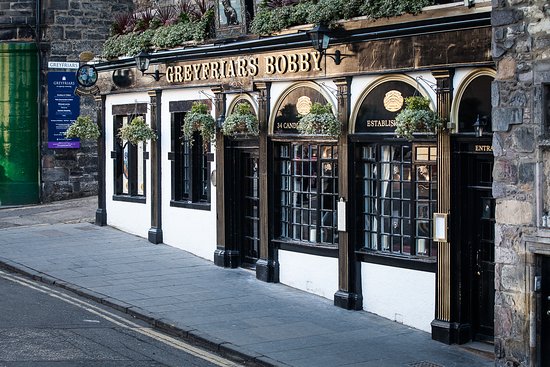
38,40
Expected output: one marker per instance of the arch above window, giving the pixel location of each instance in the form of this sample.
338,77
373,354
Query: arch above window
381,101
473,99
293,103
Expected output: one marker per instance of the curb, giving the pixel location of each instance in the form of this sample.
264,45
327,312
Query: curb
228,350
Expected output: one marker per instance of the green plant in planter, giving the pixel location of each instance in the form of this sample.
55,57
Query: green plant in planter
83,128
319,121
241,121
199,119
137,131
416,117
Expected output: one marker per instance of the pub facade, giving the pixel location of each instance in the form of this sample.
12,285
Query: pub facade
403,228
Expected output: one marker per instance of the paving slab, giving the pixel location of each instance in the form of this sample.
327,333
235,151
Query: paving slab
225,309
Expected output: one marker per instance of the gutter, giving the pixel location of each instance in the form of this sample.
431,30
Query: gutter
301,40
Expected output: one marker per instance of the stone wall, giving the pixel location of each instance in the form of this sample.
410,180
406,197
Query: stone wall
17,20
71,27
521,49
67,28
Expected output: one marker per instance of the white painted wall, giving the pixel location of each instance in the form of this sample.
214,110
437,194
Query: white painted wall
133,218
313,274
403,295
191,230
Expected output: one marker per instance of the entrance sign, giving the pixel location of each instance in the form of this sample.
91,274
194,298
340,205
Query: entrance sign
63,109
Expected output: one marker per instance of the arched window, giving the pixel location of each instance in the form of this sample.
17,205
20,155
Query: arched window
473,99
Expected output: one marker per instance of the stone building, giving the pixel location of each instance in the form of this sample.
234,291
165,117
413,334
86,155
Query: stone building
32,34
521,117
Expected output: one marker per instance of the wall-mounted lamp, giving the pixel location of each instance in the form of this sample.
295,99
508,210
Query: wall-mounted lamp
320,40
479,125
142,63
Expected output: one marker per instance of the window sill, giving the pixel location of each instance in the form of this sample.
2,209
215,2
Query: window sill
129,199
189,205
412,263
307,248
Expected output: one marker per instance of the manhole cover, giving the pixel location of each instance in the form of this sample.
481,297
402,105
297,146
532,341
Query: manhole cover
424,364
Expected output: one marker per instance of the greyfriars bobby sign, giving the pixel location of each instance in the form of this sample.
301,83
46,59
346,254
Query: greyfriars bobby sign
303,63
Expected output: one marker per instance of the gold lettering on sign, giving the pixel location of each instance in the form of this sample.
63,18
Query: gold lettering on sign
483,148
393,101
380,123
253,68
286,125
269,65
244,67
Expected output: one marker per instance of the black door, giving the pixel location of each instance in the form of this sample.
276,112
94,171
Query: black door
545,313
250,208
480,209
244,203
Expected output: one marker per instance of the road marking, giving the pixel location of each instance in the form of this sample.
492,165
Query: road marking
121,321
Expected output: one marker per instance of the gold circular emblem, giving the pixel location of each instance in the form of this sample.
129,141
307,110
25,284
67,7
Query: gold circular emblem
393,101
303,106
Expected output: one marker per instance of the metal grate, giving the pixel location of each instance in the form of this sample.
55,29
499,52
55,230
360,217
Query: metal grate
424,364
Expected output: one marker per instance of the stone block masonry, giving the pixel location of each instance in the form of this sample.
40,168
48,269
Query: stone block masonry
72,27
68,27
521,40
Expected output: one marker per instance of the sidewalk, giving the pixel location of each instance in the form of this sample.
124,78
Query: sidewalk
225,309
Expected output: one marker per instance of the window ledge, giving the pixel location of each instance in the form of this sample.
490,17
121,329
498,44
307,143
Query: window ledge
190,205
130,199
307,248
412,263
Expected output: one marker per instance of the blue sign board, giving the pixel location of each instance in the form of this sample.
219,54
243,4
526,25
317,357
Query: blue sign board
63,108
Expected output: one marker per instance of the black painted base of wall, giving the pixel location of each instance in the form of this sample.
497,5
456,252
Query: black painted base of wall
267,271
227,258
155,235
348,301
450,332
100,217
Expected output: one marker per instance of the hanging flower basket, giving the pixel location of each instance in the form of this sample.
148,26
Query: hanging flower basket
137,131
199,119
417,117
242,121
319,121
84,128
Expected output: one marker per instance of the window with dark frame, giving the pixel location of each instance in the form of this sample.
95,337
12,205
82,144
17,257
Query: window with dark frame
308,192
190,167
129,163
399,196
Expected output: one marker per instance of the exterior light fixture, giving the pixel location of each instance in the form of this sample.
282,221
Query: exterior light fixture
479,125
142,63
320,40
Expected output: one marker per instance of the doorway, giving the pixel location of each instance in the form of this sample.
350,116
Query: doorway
545,313
244,203
475,233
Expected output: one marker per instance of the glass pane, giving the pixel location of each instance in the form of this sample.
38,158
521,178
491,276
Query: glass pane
140,170
433,153
422,153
